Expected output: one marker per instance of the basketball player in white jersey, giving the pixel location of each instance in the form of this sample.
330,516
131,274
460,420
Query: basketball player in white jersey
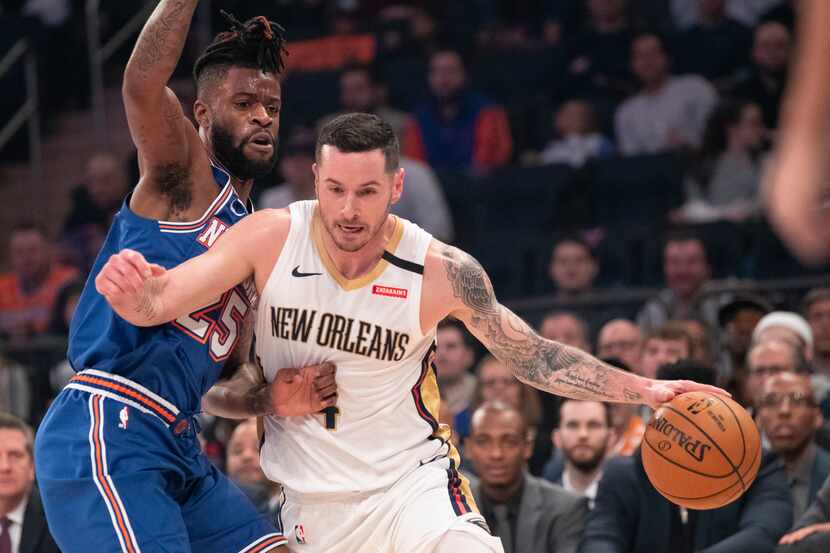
342,280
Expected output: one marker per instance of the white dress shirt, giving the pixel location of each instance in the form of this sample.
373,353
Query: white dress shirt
16,526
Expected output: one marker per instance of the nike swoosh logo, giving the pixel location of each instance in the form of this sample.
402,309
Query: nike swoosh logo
296,273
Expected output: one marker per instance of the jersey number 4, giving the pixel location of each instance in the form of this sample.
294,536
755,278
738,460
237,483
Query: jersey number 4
220,324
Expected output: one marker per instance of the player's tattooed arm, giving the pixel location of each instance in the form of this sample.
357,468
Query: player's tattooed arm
156,120
541,363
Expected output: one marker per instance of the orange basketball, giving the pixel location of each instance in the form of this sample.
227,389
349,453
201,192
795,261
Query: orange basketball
701,451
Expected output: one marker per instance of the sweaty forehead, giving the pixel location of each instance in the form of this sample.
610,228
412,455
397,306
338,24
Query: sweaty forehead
244,80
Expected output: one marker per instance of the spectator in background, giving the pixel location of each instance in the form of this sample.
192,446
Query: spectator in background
702,339
788,326
623,340
817,311
724,182
686,269
764,83
99,197
737,320
454,359
745,12
784,13
598,56
716,45
669,112
788,415
584,436
296,160
567,328
28,292
495,382
812,533
527,513
362,91
242,466
577,136
668,344
630,516
770,357
23,525
457,128
628,424
573,268
423,201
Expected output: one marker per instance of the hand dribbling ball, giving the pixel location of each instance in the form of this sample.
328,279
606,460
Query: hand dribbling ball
701,450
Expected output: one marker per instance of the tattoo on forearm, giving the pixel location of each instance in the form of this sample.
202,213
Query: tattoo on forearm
163,37
542,363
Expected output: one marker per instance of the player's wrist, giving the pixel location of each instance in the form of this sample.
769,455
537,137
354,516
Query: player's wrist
259,401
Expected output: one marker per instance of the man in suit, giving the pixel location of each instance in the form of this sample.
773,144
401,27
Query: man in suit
788,415
630,516
527,513
22,521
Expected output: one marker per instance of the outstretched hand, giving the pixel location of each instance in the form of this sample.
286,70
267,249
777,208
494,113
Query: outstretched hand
661,391
304,391
802,533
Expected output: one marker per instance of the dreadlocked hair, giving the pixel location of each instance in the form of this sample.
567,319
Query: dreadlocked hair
256,43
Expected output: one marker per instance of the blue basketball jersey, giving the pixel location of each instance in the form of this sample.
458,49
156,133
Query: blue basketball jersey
180,360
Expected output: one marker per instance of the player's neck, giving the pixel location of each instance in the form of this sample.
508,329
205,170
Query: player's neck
242,188
358,263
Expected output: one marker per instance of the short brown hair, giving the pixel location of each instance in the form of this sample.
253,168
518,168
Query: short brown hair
672,331
11,422
361,132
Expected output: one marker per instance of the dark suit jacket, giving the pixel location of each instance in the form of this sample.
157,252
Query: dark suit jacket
818,511
630,516
550,519
35,537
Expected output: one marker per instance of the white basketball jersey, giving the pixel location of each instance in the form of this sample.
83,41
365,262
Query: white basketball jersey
369,327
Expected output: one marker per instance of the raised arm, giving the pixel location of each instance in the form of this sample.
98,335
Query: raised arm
147,294
541,363
157,124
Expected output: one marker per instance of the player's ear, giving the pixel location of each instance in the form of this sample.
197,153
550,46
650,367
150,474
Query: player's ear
201,113
397,184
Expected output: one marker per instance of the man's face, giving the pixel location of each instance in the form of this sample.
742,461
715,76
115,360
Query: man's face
685,267
498,383
446,75
771,50
498,446
787,413
243,455
658,352
355,193
357,92
106,181
739,330
648,60
621,340
29,252
241,116
583,434
566,330
296,170
818,315
17,471
770,358
572,268
453,358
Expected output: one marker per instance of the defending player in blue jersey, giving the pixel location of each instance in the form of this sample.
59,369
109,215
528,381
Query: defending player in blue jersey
118,462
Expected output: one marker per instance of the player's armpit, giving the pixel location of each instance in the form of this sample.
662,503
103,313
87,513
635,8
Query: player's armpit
544,364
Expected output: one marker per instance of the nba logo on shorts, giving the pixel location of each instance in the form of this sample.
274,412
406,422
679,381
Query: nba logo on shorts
299,533
124,417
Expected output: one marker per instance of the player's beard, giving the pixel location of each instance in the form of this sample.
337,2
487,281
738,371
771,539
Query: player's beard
233,156
371,232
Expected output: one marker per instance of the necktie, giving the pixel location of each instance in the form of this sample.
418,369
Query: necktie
5,536
502,528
